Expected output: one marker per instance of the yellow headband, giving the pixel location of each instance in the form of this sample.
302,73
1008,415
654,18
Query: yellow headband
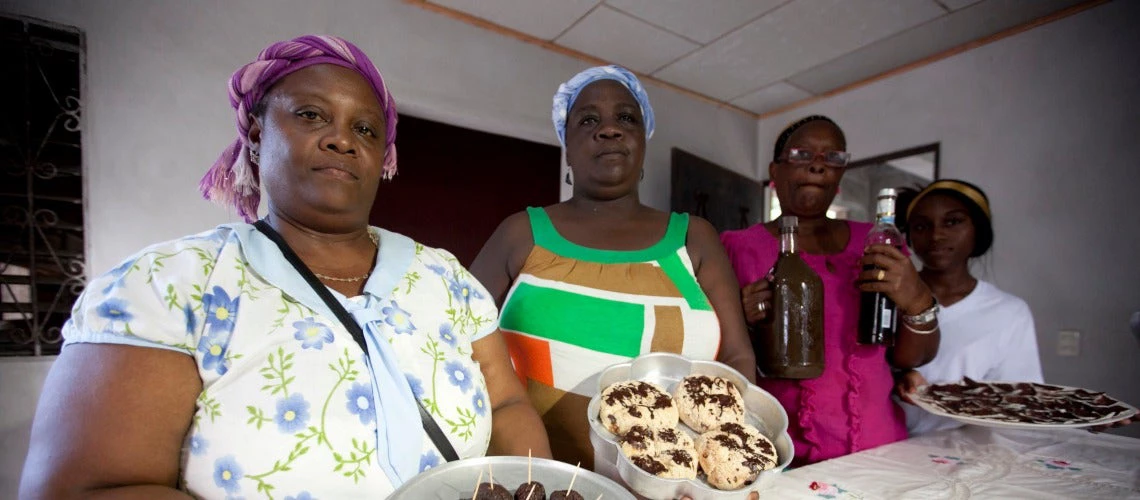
973,194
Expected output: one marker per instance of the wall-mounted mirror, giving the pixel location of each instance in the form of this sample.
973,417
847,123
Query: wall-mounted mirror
914,167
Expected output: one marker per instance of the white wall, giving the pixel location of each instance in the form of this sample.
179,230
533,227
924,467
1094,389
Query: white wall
1046,122
156,114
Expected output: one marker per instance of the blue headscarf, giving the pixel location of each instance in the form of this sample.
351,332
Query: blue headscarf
568,93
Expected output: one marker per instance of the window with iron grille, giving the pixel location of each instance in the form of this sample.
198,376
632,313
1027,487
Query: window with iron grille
42,264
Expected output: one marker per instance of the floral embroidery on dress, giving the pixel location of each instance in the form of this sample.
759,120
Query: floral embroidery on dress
312,334
227,474
360,402
292,414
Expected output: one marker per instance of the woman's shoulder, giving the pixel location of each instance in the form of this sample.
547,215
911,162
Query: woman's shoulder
206,245
753,232
992,296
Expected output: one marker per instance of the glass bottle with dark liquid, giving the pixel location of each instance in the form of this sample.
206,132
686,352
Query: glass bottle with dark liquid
878,319
789,343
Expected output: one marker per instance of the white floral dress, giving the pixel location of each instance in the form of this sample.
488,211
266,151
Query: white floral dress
291,407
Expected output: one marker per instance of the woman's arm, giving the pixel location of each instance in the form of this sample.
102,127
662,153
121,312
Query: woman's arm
917,345
501,257
111,423
516,427
715,275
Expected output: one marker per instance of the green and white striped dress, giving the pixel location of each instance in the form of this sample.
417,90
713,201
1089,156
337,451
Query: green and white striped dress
574,310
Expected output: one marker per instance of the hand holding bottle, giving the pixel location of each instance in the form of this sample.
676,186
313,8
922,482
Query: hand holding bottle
756,298
889,271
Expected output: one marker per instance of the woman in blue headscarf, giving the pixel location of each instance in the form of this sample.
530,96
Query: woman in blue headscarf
601,278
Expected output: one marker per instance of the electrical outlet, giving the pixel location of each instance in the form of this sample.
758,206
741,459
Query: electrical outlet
1069,343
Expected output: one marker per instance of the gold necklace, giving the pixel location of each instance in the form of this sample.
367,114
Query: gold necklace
375,241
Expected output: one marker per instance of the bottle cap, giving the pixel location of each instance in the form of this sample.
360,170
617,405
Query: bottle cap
888,192
789,223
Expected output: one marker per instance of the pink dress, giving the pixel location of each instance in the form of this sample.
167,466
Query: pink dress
849,407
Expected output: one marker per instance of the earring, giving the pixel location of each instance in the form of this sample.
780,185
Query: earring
569,182
254,157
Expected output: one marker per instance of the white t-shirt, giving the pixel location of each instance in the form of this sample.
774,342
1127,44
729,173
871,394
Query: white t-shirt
988,335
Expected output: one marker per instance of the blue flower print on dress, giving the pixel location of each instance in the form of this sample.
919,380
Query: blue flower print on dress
227,473
312,334
292,414
416,384
398,318
198,445
428,460
221,311
213,350
191,319
437,269
464,292
479,401
360,402
118,273
114,309
458,375
304,495
446,335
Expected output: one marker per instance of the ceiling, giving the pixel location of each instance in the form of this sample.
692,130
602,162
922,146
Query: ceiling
757,56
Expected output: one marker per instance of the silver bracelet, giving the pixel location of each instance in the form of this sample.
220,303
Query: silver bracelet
916,331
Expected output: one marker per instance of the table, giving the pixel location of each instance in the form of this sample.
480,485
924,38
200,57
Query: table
976,462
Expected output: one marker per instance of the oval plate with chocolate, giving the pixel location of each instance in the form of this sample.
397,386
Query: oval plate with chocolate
1025,405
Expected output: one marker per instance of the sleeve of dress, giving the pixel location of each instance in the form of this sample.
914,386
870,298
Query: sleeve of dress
148,300
476,304
1022,362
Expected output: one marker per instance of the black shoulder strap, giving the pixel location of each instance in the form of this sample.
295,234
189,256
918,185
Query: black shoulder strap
430,426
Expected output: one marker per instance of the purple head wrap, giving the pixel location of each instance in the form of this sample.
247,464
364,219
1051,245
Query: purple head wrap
234,180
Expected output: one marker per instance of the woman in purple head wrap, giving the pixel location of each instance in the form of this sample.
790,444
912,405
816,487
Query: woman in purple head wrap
302,355
601,278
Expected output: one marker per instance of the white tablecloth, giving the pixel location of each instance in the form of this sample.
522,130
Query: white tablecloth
976,462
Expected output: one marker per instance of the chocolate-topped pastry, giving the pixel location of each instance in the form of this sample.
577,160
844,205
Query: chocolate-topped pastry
704,402
639,440
533,490
564,495
626,404
733,455
492,491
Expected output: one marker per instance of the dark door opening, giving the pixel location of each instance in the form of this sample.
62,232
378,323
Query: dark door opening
455,185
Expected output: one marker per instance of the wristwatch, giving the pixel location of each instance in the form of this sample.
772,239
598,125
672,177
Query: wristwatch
924,317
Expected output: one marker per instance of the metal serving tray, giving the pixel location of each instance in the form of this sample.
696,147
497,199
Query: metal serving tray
456,480
666,370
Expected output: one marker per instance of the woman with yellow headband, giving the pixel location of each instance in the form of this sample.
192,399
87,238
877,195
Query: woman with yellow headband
987,334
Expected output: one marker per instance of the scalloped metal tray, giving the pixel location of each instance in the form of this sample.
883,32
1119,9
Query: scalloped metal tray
666,370
456,480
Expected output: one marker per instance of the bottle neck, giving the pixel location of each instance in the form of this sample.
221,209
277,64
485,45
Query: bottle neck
788,242
885,211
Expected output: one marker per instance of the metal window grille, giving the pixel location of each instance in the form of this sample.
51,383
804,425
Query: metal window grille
42,264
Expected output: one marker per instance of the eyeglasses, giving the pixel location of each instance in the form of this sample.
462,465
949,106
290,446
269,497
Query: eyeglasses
837,159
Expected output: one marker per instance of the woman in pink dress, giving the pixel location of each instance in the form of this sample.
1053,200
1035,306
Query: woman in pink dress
849,407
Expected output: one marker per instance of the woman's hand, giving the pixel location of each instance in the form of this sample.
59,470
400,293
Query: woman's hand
756,299
908,383
893,274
